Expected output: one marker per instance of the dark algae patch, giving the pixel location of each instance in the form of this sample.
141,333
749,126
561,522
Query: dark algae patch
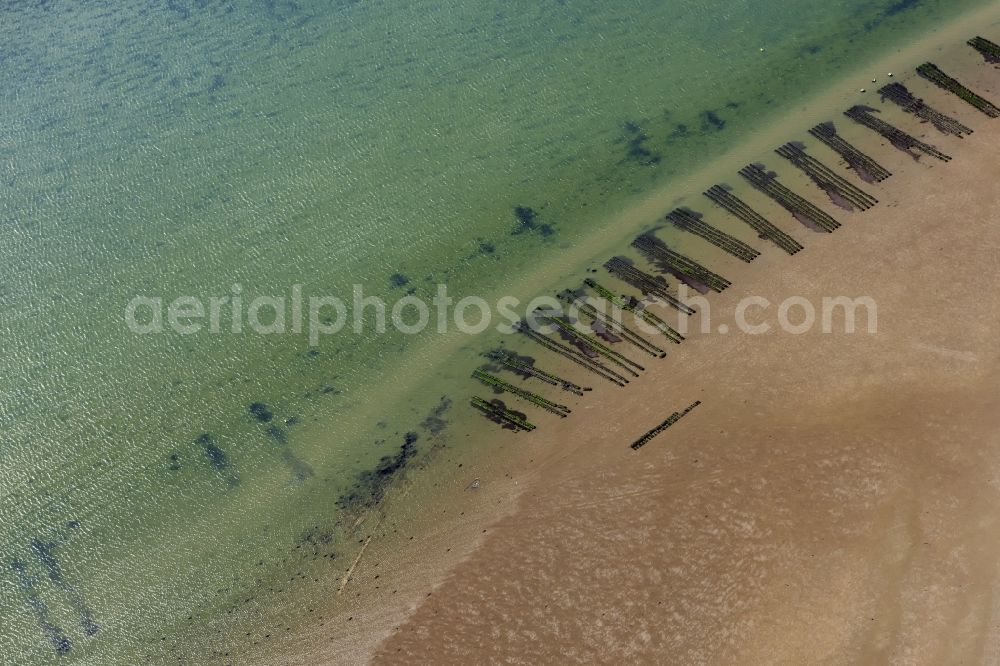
527,223
300,469
55,634
277,434
892,10
216,457
398,280
636,150
710,121
319,539
901,6
434,423
321,390
261,412
525,216
44,553
214,454
371,485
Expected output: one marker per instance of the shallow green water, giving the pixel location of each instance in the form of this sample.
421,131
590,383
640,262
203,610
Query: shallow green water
179,148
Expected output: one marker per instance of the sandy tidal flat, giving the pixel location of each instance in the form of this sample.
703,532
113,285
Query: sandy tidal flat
834,499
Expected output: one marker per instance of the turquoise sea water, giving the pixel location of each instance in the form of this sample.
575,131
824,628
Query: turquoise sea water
179,148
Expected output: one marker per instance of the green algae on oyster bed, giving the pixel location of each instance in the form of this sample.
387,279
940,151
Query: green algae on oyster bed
182,148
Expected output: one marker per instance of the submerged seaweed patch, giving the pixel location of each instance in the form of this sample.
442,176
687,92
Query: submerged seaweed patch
434,424
261,412
43,553
711,121
216,457
218,82
526,216
323,389
526,222
277,434
54,633
318,540
398,280
179,9
636,150
301,470
896,8
372,484
680,131
900,6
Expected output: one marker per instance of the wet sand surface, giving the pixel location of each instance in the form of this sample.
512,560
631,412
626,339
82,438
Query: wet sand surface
834,499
